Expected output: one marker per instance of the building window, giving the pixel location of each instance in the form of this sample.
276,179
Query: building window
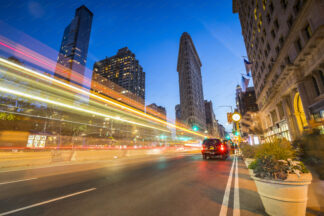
268,47
274,116
273,34
271,7
287,60
284,4
298,45
298,6
277,50
322,76
276,24
268,18
308,31
317,91
281,111
290,21
281,41
264,4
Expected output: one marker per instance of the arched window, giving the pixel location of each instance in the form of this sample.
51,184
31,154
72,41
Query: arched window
322,76
316,86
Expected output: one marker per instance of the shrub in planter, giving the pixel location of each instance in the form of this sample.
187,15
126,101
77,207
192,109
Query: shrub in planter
248,150
267,167
279,149
282,183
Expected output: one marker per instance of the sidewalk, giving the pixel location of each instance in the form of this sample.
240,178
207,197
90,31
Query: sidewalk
250,200
315,204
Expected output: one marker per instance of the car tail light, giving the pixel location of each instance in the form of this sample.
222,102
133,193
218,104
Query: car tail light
222,148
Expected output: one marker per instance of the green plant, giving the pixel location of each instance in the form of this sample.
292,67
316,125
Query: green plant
253,165
248,151
269,168
279,149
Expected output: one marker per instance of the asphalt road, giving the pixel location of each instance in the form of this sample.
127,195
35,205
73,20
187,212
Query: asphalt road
161,185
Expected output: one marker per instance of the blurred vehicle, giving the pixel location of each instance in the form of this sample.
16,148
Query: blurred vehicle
213,148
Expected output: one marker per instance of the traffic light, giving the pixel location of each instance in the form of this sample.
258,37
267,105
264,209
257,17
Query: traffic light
236,133
227,137
195,128
229,118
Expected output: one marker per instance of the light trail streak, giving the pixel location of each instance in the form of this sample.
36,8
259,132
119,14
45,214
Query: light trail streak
112,102
21,94
50,65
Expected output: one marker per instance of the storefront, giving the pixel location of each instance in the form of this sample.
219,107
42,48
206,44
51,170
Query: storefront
280,130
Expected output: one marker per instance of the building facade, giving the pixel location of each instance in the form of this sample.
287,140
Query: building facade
246,100
192,105
221,131
211,122
73,52
284,40
158,111
124,70
247,107
178,113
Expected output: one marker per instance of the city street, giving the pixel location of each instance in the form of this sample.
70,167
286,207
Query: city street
183,184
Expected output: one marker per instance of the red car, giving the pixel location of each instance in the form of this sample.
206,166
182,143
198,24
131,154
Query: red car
213,148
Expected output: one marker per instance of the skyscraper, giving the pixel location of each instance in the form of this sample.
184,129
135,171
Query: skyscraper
124,70
74,47
211,122
192,105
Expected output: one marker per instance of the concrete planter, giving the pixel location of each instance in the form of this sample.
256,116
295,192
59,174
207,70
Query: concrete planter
286,198
247,162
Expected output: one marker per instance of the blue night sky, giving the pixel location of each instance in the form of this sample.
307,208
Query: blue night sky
151,29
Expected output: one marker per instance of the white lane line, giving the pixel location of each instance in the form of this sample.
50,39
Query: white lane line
236,211
45,202
224,207
21,180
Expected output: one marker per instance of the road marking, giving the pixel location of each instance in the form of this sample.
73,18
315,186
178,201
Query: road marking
45,202
224,207
236,211
9,182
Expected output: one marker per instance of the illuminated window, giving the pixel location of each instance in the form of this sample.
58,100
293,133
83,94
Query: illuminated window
264,3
